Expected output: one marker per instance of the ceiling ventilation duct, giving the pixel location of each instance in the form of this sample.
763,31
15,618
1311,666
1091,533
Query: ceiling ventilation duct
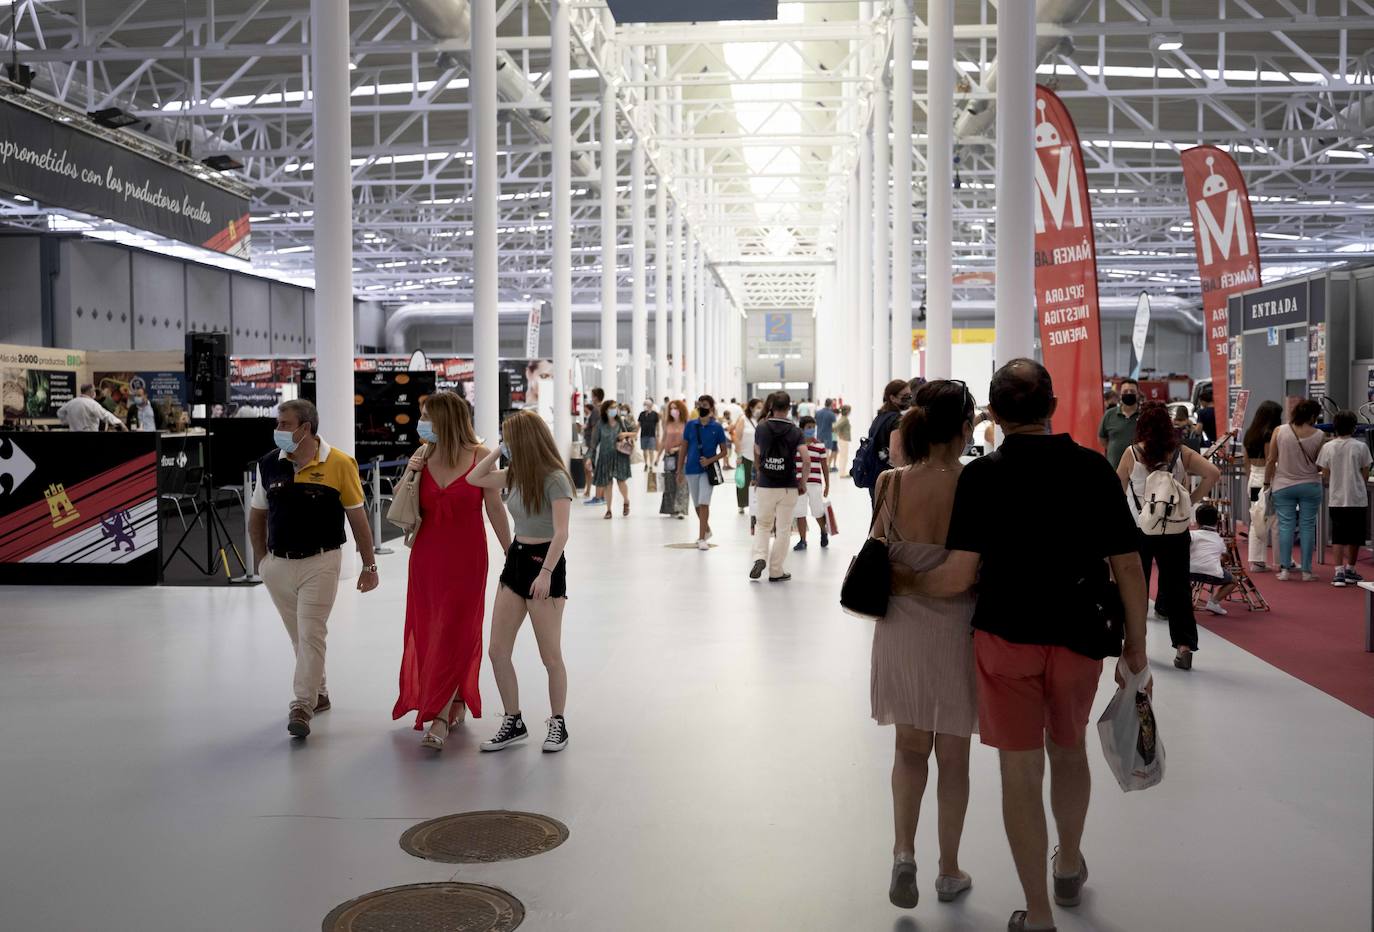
452,20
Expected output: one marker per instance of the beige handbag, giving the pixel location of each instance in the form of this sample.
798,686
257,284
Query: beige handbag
405,501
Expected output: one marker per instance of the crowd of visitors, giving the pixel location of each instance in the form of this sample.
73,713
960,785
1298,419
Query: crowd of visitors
955,654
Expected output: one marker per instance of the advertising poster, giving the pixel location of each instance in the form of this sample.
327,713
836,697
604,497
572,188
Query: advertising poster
1240,402
74,511
47,390
1227,250
115,389
60,165
386,409
1316,359
49,373
1066,272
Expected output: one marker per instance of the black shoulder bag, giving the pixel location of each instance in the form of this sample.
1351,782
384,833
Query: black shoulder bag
868,582
1098,622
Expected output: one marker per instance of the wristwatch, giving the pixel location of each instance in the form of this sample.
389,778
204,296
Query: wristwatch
370,568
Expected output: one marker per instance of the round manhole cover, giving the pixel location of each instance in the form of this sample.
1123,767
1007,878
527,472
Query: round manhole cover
429,907
481,837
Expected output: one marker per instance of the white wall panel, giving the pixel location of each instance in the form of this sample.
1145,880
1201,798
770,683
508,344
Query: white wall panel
159,296
92,298
252,333
208,300
21,300
288,326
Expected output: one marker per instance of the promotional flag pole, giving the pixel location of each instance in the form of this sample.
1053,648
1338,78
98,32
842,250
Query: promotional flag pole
1227,251
1066,271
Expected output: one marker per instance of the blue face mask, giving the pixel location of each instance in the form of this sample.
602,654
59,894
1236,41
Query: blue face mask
426,431
809,433
286,440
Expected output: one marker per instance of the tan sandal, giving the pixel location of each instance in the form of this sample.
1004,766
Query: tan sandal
432,741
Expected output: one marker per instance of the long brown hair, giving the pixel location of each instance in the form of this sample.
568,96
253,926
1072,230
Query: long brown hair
452,422
1154,431
680,407
533,457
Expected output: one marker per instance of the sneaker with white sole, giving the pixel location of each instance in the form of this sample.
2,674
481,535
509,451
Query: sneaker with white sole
1214,608
558,734
1283,575
1352,577
1309,577
1339,579
702,545
512,730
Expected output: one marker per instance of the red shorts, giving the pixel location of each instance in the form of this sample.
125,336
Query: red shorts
1026,690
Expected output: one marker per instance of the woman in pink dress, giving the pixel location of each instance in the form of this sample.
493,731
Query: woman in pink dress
446,596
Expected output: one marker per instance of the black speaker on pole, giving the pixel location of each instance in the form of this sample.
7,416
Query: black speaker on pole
207,368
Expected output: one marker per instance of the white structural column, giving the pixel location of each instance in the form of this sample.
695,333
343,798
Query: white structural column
691,356
882,280
561,93
675,297
872,385
608,217
486,195
1014,314
940,190
639,336
901,185
661,247
333,225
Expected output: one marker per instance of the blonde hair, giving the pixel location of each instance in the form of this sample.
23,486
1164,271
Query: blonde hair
533,457
452,422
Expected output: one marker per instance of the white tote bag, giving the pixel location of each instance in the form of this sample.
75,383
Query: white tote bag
1130,735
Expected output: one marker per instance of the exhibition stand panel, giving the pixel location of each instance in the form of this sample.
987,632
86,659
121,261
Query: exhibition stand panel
79,508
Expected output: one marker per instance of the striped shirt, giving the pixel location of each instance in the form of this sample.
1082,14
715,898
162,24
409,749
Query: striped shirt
818,455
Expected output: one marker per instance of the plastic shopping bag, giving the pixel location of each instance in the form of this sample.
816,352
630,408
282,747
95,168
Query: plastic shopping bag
1130,735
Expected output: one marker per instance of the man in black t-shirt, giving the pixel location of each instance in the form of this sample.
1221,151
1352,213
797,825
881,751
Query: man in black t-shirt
777,443
1030,523
648,435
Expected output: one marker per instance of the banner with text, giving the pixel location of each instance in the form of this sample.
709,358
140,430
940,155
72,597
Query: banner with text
1066,271
1227,250
58,165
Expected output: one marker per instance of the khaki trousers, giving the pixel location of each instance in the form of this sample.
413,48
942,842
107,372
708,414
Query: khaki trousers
775,505
303,591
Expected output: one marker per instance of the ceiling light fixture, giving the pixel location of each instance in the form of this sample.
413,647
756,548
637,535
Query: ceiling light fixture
1166,41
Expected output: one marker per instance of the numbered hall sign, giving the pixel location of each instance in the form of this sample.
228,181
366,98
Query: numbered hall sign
777,328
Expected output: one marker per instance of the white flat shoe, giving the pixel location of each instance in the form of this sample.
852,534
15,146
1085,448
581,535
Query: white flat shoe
948,887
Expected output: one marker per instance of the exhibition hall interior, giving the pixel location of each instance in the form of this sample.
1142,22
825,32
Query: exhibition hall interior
641,465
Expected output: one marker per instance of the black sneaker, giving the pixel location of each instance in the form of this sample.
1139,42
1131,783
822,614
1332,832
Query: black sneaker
783,578
298,723
322,703
757,571
825,539
558,734
512,730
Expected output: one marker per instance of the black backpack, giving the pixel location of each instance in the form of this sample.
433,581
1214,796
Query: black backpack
778,460
872,459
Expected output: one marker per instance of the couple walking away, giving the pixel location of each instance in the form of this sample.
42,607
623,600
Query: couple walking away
1022,680
306,488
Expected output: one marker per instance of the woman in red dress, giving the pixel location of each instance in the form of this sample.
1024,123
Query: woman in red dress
446,596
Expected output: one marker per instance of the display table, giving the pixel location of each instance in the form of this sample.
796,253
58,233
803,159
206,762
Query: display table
79,508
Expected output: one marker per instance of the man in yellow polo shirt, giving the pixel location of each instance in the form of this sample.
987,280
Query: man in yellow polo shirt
304,491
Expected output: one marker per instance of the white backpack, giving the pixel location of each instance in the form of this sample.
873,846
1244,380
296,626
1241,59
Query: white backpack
1166,506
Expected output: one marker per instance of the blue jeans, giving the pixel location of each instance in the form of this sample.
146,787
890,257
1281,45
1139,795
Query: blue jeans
1298,503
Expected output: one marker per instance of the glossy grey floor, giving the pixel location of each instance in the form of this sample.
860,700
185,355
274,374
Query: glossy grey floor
723,771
